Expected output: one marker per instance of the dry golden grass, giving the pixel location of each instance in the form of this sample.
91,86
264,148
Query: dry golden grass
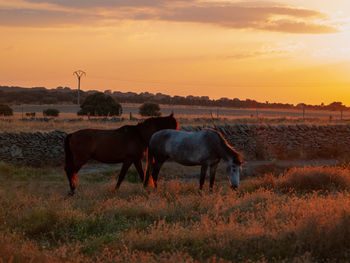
15,124
268,220
305,179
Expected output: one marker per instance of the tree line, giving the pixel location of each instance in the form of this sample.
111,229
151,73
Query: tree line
66,95
96,104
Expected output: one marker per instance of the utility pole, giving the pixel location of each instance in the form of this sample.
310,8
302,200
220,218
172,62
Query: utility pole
79,74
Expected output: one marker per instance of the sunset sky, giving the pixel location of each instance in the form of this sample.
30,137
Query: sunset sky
279,51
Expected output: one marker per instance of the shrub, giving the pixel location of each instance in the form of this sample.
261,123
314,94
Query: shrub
100,104
149,109
5,110
51,112
30,114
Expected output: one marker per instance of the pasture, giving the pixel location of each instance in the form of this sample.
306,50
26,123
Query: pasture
189,112
302,215
279,213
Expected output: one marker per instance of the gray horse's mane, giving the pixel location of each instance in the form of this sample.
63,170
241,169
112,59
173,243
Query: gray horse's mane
230,150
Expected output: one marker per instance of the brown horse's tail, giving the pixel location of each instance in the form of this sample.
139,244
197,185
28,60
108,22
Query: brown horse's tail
69,162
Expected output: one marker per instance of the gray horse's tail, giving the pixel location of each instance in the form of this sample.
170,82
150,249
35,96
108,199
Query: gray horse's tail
149,165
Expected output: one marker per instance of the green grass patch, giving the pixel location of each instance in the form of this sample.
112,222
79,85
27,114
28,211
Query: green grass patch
23,173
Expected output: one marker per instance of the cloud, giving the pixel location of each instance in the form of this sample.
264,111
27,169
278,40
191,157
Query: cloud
82,4
299,27
280,49
40,18
263,16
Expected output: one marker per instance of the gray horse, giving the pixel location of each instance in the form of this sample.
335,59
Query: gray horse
206,148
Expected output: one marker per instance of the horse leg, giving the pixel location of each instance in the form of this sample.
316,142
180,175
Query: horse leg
70,174
125,167
156,168
138,166
202,176
72,168
212,175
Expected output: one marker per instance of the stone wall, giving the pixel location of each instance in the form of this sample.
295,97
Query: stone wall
256,142
33,149
280,142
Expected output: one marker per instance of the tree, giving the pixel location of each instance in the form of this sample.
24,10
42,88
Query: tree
51,112
5,110
149,109
99,104
334,106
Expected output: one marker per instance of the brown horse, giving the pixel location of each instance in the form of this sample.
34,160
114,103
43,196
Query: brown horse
125,145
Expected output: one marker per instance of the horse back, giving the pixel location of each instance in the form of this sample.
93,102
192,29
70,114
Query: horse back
188,148
107,145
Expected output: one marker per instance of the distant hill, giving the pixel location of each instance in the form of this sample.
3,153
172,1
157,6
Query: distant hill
66,95
11,89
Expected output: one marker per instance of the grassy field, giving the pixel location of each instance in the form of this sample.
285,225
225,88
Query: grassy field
15,124
186,115
191,111
301,215
294,215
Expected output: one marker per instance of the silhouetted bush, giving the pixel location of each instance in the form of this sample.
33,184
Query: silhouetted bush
5,110
100,104
51,112
149,109
30,114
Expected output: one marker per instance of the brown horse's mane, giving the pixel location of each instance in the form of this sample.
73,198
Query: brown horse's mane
146,121
156,120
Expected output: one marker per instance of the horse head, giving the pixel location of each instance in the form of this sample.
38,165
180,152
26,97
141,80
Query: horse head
171,122
151,125
234,169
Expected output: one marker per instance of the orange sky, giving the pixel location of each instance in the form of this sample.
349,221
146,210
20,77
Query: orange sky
277,51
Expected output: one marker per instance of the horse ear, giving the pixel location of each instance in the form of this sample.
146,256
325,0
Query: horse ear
172,114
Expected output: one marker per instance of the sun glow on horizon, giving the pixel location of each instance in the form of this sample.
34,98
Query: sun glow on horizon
301,55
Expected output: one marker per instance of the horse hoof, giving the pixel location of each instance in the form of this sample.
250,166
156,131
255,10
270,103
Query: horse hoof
70,193
234,189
